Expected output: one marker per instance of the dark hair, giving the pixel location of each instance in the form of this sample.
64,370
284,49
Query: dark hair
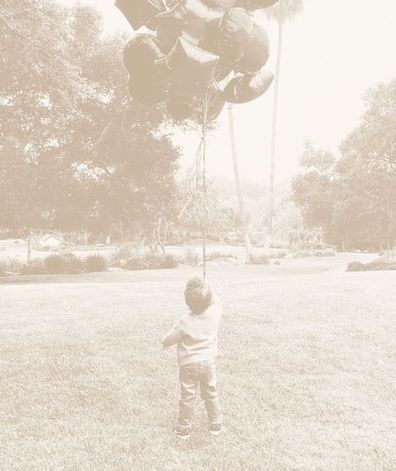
198,295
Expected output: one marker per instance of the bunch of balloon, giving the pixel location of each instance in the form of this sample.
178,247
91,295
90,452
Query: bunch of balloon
195,48
196,55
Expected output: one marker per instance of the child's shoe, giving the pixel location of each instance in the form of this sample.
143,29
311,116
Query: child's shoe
215,429
182,434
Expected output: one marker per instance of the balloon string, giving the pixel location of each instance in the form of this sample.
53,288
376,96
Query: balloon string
204,183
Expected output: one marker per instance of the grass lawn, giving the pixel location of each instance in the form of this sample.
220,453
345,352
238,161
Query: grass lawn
307,372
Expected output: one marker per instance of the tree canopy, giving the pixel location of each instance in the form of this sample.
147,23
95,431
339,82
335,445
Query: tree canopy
353,199
76,153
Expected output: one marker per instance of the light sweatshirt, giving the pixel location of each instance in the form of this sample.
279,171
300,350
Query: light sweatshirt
196,335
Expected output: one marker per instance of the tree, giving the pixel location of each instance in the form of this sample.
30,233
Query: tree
353,200
314,190
282,11
366,201
241,205
76,153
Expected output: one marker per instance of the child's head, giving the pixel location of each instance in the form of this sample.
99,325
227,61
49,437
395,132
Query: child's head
198,295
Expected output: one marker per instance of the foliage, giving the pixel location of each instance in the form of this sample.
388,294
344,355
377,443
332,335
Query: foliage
356,266
149,261
259,259
34,267
87,156
353,200
313,190
381,263
95,263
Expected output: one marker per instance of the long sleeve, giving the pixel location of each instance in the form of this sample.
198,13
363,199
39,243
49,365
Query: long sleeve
173,336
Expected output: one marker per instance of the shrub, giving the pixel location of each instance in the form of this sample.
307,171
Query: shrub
63,263
324,253
377,264
381,263
123,253
73,264
55,264
356,266
95,263
3,269
190,257
278,253
34,267
10,265
221,256
259,259
149,261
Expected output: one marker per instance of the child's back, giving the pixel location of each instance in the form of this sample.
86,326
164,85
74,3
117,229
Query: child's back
195,334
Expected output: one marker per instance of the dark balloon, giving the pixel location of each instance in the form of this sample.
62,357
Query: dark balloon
140,12
182,107
248,87
233,33
256,51
224,5
190,18
195,49
252,5
142,53
216,104
148,90
192,68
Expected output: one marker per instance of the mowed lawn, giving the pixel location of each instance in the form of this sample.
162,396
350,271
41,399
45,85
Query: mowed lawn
307,372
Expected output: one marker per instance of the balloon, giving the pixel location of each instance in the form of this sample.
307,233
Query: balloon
216,104
142,53
233,33
192,68
148,90
248,87
140,12
224,5
182,107
252,5
256,52
190,18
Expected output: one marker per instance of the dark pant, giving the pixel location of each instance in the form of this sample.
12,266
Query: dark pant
191,376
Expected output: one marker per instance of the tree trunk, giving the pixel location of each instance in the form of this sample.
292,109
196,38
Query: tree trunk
242,214
29,247
274,130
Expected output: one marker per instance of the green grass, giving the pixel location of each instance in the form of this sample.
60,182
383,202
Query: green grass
307,372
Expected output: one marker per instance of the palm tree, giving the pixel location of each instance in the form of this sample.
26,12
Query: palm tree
284,10
241,205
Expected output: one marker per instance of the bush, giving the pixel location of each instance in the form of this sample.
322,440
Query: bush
57,264
73,264
278,253
259,259
95,263
190,257
149,261
356,266
123,253
324,253
221,256
34,267
3,269
381,263
377,264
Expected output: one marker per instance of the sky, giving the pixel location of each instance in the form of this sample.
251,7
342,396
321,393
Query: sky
333,52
